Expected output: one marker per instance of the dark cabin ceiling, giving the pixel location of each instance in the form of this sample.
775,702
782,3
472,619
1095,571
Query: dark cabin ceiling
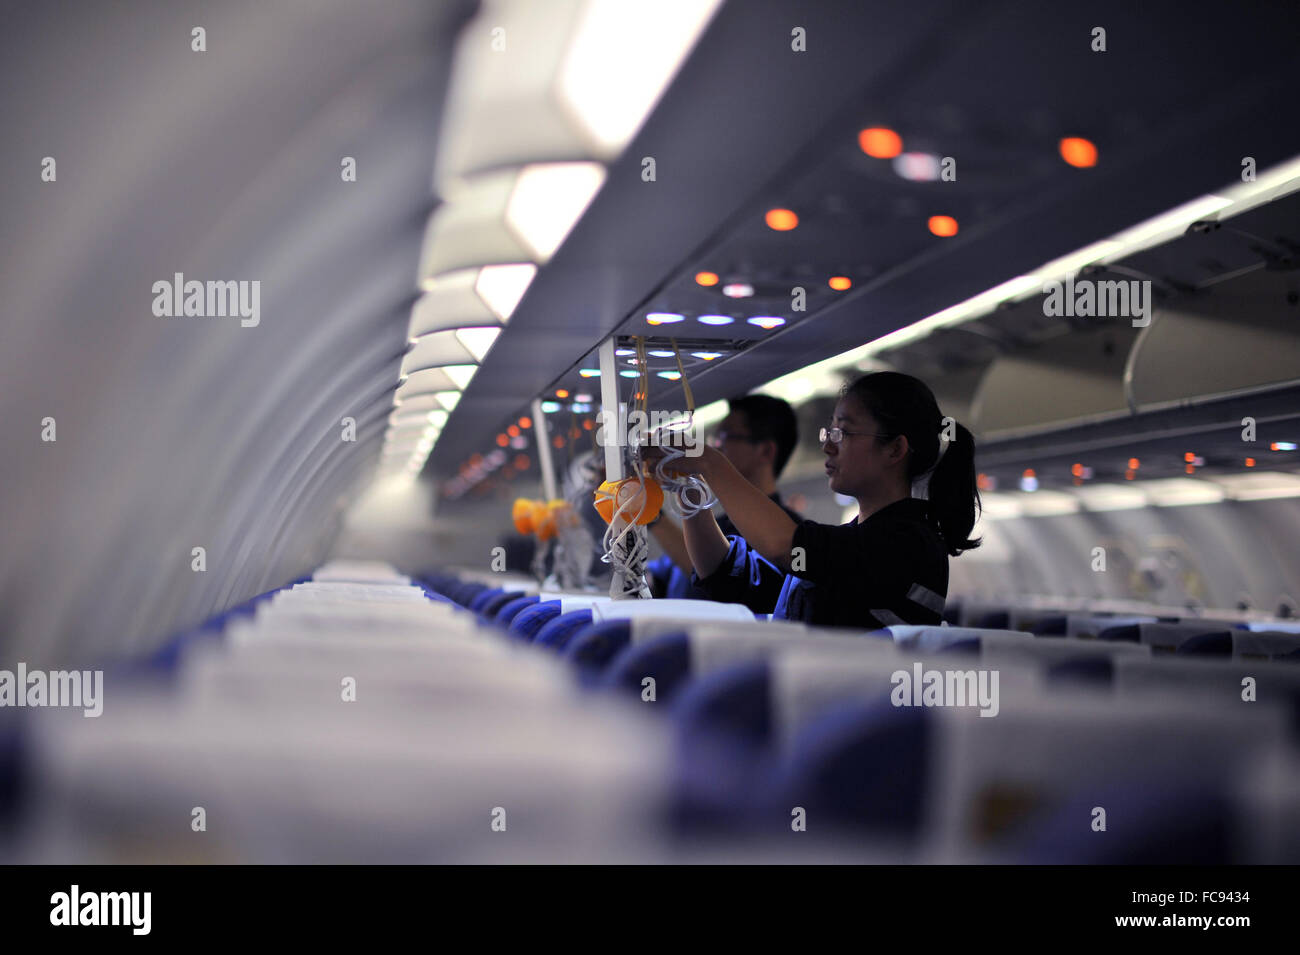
1182,93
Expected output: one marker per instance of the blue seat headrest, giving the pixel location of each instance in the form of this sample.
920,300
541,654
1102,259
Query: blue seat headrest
1096,670
531,619
489,611
1053,625
1215,644
666,659
557,632
594,646
994,620
863,765
481,599
735,700
511,608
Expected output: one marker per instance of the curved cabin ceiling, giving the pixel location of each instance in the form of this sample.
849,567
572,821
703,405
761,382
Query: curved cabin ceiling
199,431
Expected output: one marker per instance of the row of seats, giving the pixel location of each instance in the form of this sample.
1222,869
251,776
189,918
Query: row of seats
355,717
1176,728
367,716
1163,631
1026,613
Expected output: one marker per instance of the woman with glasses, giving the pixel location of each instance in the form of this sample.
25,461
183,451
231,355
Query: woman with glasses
912,472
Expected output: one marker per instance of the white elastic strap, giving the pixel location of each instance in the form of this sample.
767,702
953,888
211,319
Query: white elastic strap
921,484
690,491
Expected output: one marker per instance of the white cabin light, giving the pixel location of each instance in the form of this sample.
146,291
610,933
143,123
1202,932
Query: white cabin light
564,80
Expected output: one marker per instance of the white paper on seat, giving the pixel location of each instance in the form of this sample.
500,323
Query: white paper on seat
678,609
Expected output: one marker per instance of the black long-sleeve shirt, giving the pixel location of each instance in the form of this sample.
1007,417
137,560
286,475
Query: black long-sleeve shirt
891,568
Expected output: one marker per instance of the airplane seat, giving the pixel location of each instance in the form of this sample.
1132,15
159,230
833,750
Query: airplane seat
1265,645
969,612
1095,671
1051,625
432,593
13,758
434,581
1189,638
168,656
1086,625
1149,821
594,646
1267,799
556,633
711,646
1130,634
760,690
729,709
1228,682
469,592
1215,644
484,597
967,646
434,584
665,659
618,630
429,580
1025,618
445,587
488,612
997,648
454,590
922,638
511,608
994,620
861,765
766,695
719,784
734,701
997,779
531,619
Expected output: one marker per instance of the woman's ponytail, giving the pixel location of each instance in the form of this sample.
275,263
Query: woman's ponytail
944,473
954,494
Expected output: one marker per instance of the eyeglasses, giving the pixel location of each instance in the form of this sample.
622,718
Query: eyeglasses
836,435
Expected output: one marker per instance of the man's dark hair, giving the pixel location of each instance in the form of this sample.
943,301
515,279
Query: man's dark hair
769,419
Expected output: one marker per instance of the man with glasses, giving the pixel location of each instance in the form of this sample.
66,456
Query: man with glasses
758,436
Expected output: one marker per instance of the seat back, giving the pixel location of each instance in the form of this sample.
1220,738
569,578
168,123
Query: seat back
531,619
556,633
996,776
924,639
1209,638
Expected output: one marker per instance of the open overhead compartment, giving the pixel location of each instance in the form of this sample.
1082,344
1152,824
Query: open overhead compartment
1239,335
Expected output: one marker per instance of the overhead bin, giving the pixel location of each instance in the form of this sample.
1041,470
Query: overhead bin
1073,377
1236,336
